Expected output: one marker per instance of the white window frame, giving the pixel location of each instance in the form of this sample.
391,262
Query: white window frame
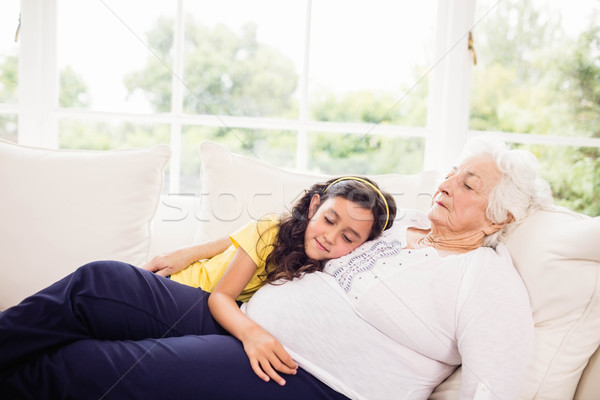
38,82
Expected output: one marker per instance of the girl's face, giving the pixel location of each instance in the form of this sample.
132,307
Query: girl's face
336,227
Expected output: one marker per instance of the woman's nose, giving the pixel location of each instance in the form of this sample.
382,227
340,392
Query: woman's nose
446,186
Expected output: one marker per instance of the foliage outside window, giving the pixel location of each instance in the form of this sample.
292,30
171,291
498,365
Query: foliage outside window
538,72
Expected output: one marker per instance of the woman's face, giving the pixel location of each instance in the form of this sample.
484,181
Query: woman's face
336,227
460,203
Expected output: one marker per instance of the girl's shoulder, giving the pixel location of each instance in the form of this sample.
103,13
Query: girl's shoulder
271,218
268,221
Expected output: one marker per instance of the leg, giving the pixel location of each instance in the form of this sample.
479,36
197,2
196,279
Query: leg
103,300
188,367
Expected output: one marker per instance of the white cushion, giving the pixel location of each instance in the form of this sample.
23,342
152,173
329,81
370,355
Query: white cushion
237,189
175,223
557,253
63,208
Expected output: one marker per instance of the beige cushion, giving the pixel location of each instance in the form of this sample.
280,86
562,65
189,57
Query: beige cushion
236,189
61,209
557,253
589,384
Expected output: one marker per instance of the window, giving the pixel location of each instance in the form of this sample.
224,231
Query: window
327,86
537,84
272,79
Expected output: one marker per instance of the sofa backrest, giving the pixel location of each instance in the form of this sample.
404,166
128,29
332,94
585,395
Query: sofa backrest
236,189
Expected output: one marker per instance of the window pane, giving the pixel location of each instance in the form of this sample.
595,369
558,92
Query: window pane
8,127
113,57
243,58
538,68
9,21
108,135
335,154
369,60
276,148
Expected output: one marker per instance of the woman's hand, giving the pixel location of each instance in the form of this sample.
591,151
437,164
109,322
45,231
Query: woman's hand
267,356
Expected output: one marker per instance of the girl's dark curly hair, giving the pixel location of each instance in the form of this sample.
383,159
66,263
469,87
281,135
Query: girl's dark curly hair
288,259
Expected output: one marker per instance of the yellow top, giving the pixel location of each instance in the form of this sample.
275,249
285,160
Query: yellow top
255,238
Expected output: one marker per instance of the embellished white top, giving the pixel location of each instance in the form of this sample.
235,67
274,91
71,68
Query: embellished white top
387,322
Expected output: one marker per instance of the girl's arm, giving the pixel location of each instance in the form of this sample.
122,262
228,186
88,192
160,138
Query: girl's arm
266,354
171,263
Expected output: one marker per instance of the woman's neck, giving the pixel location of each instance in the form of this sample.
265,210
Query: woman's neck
449,242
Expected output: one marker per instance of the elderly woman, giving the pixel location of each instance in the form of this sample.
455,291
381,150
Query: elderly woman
391,320
395,317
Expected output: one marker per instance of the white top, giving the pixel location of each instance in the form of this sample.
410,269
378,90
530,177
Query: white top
386,322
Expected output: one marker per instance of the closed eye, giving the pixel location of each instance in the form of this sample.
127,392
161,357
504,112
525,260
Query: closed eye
347,239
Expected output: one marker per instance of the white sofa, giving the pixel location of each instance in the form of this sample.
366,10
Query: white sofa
61,209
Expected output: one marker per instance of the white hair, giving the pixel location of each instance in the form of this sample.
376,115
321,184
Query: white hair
520,191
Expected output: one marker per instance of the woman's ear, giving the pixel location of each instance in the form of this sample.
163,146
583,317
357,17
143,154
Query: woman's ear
493,227
315,201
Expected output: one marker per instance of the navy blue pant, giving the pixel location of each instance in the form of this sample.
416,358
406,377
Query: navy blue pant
114,331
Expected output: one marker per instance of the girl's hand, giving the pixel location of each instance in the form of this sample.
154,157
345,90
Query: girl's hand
171,263
167,264
267,356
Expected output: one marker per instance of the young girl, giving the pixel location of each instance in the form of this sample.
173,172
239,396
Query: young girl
329,221
113,301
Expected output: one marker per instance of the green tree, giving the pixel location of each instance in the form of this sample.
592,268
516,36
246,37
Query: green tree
74,92
514,85
582,88
223,73
231,74
531,78
9,73
367,153
9,69
583,84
